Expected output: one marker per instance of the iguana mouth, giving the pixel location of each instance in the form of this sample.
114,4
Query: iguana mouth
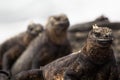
105,41
63,23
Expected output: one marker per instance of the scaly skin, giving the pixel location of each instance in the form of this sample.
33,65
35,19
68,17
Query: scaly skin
95,61
11,49
52,44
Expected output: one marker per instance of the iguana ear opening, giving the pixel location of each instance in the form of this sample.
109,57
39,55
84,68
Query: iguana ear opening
95,26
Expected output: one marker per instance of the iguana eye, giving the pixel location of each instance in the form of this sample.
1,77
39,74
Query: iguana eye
97,34
57,18
31,28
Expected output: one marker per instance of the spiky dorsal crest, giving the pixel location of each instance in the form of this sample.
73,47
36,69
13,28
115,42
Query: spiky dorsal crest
95,26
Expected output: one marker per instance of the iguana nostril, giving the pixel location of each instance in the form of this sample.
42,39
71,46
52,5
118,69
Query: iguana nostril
106,36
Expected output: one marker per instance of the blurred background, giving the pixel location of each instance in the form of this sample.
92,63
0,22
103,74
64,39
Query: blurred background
15,15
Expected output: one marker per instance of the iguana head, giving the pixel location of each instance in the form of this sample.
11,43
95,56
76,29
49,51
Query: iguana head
101,36
34,29
58,23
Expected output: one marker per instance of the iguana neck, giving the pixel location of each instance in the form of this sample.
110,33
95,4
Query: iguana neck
28,38
96,53
57,39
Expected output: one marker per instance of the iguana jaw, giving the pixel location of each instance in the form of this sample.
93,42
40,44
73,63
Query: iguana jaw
105,42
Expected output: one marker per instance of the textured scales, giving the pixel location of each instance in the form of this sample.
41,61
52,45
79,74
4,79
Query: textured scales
95,61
